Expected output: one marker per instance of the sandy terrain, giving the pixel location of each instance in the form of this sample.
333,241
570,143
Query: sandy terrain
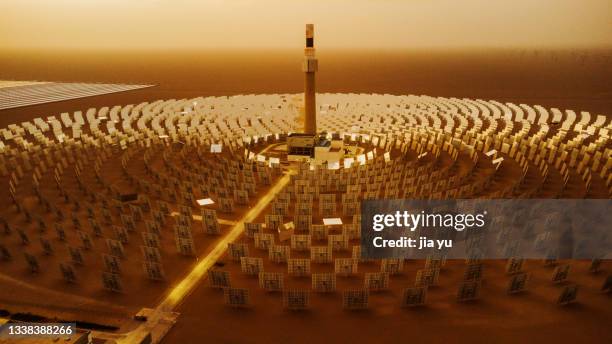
549,80
565,79
86,300
531,317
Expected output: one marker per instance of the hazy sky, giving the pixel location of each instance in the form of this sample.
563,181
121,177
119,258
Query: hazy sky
197,24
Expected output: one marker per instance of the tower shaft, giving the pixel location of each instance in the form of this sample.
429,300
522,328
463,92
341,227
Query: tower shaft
310,104
310,67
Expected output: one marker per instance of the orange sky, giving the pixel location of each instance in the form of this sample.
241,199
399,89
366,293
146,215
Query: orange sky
168,24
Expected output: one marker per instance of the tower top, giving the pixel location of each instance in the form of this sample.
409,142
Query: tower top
309,35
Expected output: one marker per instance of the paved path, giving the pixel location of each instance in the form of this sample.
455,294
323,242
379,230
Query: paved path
162,319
